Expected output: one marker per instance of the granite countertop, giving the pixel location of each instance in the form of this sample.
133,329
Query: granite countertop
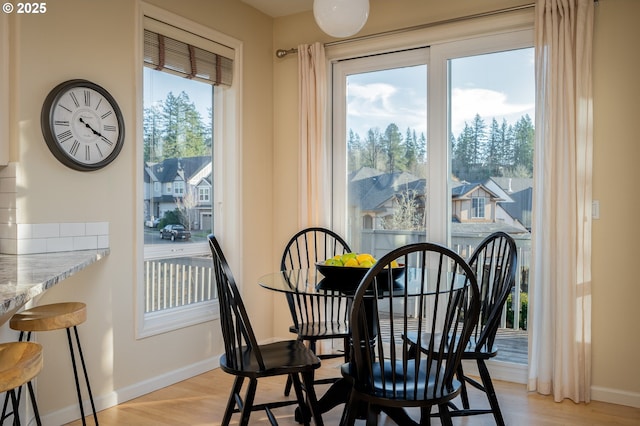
23,277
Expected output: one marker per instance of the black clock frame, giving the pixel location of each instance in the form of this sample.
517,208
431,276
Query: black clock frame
48,131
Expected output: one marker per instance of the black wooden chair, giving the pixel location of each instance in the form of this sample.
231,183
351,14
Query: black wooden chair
245,359
437,297
494,262
318,317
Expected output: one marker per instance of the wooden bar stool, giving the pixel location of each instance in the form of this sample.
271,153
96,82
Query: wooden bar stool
57,316
20,362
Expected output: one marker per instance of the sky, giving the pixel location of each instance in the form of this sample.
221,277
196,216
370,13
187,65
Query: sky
158,84
499,85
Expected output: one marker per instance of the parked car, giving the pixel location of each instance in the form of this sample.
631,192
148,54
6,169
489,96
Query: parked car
152,223
175,232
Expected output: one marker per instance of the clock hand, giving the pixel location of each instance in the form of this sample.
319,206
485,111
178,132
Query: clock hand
88,126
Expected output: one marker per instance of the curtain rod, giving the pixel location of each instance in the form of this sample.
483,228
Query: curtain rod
281,53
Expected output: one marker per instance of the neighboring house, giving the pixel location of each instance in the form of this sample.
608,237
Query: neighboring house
179,180
473,202
477,208
518,199
373,194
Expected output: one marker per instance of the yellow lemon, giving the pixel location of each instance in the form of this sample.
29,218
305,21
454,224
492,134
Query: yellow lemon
351,262
364,257
366,264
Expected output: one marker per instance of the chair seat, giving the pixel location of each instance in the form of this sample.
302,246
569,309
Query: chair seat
54,316
321,330
407,384
289,356
20,362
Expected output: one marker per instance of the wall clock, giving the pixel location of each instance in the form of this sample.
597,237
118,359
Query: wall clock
82,125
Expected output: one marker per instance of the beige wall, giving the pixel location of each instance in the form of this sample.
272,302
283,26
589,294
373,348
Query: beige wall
96,41
616,292
75,40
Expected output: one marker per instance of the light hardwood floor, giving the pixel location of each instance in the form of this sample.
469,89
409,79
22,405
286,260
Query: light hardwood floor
201,401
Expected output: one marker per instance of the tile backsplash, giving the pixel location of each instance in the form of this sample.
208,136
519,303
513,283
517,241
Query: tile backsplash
24,238
56,237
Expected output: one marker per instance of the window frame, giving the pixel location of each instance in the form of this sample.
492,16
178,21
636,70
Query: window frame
227,160
467,37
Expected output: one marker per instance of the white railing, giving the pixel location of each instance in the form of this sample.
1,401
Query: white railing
176,282
380,242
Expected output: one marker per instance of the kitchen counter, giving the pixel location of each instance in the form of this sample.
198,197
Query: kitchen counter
23,277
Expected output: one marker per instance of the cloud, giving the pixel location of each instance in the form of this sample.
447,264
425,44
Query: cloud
380,104
466,103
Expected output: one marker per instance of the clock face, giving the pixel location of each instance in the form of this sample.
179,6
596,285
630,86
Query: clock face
82,125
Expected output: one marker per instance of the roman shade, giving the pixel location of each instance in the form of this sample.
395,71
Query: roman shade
169,49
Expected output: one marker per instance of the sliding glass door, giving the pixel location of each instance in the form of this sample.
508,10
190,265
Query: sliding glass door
436,144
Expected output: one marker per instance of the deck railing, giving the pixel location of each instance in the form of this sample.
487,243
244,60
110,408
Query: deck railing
379,242
177,282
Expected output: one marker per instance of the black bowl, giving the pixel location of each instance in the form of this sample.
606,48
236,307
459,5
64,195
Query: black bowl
347,278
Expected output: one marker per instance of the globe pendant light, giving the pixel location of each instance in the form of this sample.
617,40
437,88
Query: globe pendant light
341,18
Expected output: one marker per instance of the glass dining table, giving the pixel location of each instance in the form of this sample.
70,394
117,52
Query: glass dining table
312,282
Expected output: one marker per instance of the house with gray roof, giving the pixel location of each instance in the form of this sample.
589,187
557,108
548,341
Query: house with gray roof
184,182
477,208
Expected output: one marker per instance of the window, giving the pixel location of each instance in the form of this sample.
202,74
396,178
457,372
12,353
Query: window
203,194
187,81
478,207
178,188
427,138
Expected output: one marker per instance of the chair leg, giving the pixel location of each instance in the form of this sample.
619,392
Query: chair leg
287,386
302,406
7,397
350,411
463,387
14,402
372,416
234,396
445,415
86,375
246,408
347,349
312,398
491,392
34,403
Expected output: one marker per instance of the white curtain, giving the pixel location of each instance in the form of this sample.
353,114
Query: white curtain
315,184
560,297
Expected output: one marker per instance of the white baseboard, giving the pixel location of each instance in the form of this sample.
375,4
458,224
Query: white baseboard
500,370
615,396
517,373
71,413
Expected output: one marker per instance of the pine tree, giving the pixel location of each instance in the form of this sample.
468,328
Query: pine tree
523,139
183,130
393,148
371,148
